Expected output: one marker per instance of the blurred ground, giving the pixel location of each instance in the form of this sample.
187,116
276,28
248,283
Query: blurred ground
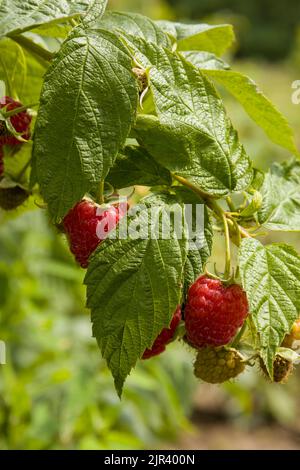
215,429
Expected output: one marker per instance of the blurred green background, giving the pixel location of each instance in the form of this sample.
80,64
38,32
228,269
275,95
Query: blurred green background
55,391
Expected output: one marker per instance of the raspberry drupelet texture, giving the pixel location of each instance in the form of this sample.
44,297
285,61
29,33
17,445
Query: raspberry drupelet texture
87,225
217,365
164,337
214,312
20,122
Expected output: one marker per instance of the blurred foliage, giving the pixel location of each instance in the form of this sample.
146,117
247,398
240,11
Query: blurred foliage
55,391
155,9
265,28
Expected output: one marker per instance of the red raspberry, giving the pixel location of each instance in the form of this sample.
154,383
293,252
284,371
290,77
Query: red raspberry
1,162
20,122
164,337
87,225
214,312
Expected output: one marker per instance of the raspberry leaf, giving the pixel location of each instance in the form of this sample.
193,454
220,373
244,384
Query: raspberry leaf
281,197
200,37
94,11
134,166
135,25
75,149
257,105
192,125
18,16
197,254
22,73
271,278
133,288
205,60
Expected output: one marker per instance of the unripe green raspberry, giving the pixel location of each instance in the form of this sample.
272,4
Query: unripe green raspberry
217,365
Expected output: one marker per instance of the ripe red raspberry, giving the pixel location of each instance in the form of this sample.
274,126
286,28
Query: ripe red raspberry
20,122
87,225
1,162
164,337
214,312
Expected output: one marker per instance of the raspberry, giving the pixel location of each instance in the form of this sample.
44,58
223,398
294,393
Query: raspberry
1,162
282,368
214,312
11,198
215,366
164,337
87,225
20,122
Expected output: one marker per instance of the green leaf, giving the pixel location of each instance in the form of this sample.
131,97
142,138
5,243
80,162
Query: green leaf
205,60
271,278
197,254
253,206
134,166
22,74
18,16
281,197
192,135
200,37
259,108
53,30
136,25
12,66
88,104
95,11
133,288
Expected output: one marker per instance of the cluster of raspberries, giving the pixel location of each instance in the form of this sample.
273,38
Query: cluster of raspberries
20,122
213,313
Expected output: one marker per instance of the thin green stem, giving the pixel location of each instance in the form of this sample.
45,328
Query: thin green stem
32,47
13,112
204,195
227,245
230,204
236,228
100,196
213,205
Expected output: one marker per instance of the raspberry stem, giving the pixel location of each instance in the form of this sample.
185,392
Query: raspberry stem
230,204
100,194
215,208
34,48
227,245
13,112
